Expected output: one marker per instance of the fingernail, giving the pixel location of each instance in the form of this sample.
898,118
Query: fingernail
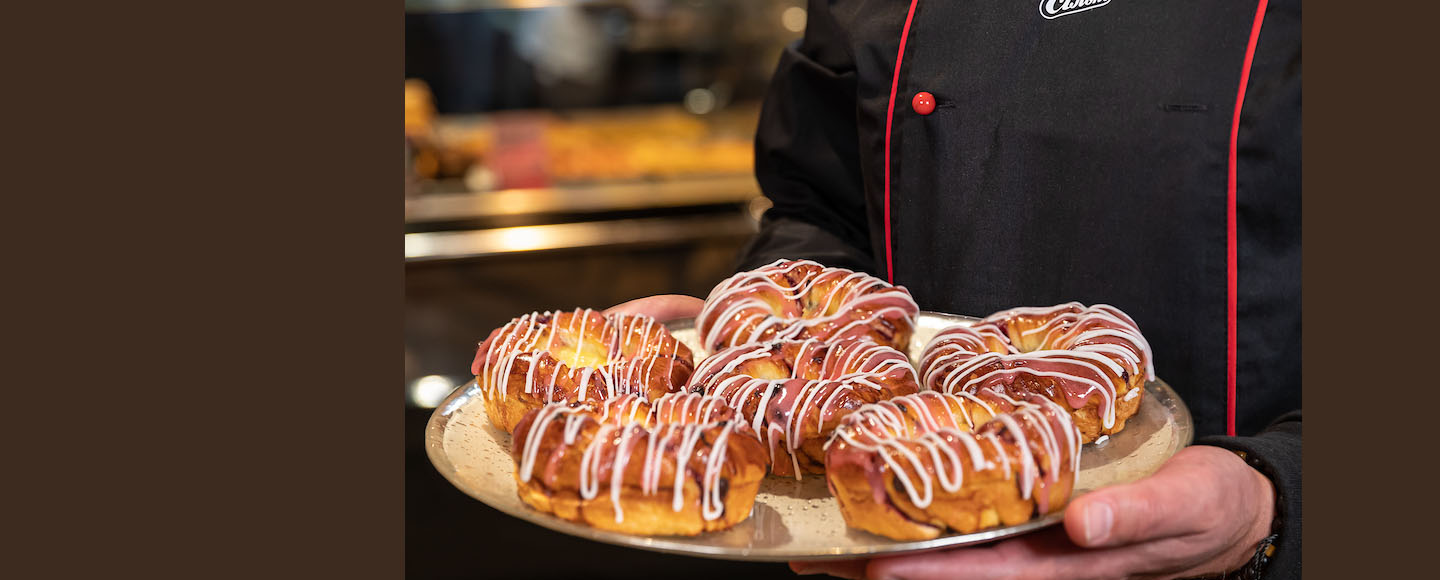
1098,520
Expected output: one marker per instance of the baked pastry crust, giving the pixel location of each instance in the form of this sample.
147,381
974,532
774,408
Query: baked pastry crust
684,408
581,355
1091,360
665,479
800,299
911,468
794,393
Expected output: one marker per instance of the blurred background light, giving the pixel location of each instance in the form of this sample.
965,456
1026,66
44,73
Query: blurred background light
793,19
427,391
700,101
521,239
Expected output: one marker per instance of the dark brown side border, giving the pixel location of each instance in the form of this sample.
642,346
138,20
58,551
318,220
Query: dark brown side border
205,274
1368,239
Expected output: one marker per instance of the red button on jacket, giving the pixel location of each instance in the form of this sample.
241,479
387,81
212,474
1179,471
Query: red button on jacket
924,103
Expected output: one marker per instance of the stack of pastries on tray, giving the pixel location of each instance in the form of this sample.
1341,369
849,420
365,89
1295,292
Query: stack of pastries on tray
794,393
616,424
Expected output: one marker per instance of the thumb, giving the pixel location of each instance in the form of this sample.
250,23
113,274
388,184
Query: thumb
663,307
1172,502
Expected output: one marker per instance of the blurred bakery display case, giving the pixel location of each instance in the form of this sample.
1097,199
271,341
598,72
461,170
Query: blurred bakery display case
563,154
515,168
535,149
536,112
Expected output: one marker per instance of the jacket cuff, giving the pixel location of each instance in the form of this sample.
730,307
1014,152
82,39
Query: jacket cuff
1276,452
792,239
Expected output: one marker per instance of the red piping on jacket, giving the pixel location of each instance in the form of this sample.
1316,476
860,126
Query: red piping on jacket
890,116
1231,228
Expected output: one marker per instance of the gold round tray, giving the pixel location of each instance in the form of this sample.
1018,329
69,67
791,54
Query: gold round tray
792,519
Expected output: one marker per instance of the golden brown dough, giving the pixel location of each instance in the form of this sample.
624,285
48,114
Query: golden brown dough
669,408
1091,360
669,479
800,299
574,356
794,393
910,468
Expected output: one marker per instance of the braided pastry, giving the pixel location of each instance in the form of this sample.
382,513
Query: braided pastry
911,467
663,479
582,355
1091,360
797,300
794,393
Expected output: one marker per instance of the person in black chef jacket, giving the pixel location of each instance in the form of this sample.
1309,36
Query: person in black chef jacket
996,153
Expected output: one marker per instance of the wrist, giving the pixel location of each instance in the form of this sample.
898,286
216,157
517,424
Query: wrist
1260,527
1263,524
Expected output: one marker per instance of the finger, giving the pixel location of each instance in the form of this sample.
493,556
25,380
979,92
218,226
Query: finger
853,569
1177,500
1048,554
662,308
1171,507
1044,554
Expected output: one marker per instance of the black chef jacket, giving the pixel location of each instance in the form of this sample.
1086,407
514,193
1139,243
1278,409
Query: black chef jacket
1077,150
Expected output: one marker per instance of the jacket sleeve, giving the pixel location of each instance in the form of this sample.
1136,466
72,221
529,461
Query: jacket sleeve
1275,452
807,158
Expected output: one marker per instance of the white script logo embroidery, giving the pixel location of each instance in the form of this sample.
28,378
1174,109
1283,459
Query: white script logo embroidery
1052,9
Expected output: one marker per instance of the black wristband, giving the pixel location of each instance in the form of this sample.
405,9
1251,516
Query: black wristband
1256,566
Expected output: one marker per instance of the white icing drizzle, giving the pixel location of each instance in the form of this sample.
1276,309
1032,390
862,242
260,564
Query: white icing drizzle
633,344
807,393
749,300
677,442
626,409
1089,351
929,410
1039,431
